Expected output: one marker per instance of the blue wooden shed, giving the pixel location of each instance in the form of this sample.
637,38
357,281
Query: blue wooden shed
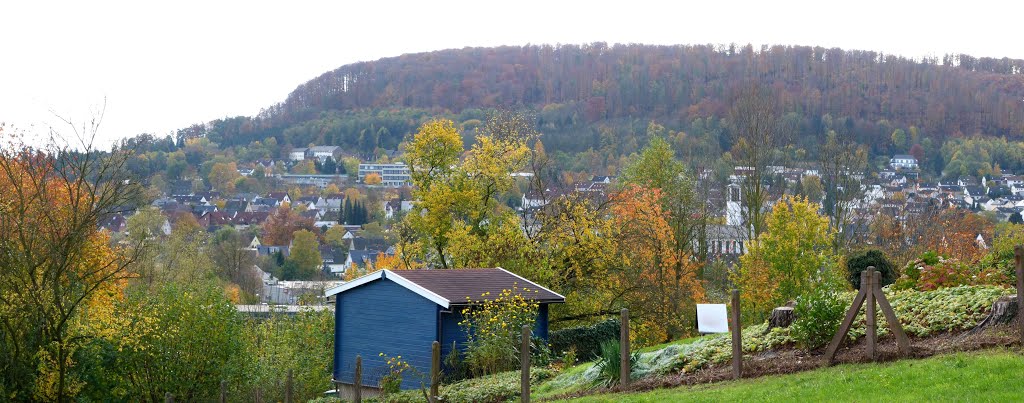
401,313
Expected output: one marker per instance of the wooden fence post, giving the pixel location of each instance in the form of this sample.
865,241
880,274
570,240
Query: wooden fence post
872,322
288,387
624,364
1018,257
223,391
435,370
524,351
357,383
168,397
737,339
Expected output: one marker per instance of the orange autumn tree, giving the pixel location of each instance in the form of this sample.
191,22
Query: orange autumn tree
55,263
659,283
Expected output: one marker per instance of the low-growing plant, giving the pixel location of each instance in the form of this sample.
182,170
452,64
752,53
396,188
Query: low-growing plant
392,381
816,317
609,360
569,357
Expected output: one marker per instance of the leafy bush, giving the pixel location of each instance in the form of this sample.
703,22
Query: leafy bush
1000,257
817,316
861,261
586,340
608,363
932,272
494,329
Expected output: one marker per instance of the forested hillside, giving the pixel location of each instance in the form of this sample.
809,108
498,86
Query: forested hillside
602,91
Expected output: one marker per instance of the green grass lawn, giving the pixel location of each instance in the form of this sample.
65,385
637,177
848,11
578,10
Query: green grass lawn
995,375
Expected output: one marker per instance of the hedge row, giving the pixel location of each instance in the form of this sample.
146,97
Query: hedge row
586,339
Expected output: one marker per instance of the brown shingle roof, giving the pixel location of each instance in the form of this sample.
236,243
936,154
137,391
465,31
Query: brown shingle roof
452,287
457,284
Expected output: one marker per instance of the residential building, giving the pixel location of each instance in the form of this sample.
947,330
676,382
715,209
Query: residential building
323,152
297,154
903,161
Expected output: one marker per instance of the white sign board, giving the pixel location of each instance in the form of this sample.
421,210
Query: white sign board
712,318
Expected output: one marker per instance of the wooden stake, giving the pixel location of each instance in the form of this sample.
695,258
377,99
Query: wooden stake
872,327
844,328
223,391
624,367
1018,258
357,394
902,341
288,387
435,370
737,339
168,397
524,375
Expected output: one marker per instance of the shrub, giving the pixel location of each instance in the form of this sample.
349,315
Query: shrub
455,367
817,316
608,362
494,328
861,261
1000,256
569,358
930,273
586,340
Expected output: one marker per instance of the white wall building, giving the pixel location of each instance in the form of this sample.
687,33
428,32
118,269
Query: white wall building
903,161
297,154
393,175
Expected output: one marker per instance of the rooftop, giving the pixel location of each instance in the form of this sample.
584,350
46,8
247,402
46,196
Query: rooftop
458,286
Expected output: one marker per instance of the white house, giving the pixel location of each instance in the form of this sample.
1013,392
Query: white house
322,152
903,161
297,154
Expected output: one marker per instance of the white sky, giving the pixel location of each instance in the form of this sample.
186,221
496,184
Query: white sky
165,65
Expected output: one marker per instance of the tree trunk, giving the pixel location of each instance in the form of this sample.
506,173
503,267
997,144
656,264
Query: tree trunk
781,317
1003,311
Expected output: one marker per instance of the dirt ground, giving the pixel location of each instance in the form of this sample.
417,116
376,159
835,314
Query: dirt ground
791,360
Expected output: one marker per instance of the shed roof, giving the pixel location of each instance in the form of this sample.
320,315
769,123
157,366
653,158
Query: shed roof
458,286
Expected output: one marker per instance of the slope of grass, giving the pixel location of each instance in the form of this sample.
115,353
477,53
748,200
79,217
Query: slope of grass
983,376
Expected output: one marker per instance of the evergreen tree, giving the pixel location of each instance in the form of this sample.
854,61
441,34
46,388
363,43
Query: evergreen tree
329,167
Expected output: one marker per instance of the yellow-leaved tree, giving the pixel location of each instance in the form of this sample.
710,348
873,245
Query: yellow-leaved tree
793,253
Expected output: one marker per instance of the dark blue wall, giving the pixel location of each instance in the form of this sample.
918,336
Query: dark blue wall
383,317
